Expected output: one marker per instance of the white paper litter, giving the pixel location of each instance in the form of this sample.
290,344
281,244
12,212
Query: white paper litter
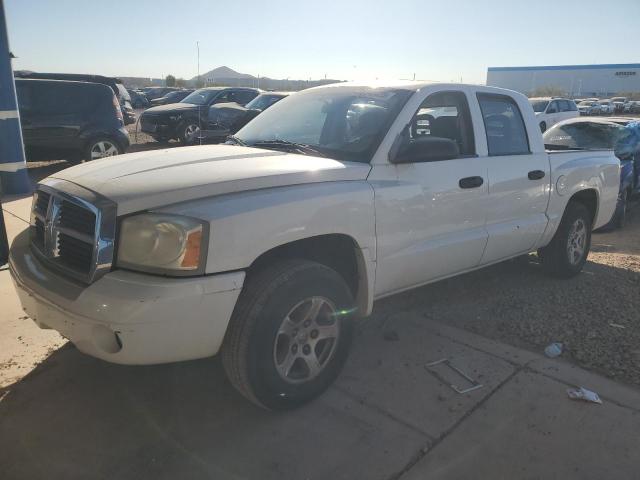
553,350
583,394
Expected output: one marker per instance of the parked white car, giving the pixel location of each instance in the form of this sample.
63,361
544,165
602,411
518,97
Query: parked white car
607,107
589,107
268,248
619,104
550,111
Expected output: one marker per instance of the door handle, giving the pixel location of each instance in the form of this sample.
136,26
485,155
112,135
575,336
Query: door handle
535,174
471,182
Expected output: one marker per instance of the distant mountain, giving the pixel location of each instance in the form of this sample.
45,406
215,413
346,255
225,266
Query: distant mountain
223,72
229,77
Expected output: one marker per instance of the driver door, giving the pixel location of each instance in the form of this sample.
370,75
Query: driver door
430,215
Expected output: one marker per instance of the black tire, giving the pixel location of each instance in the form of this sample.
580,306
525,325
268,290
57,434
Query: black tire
184,132
555,257
250,344
621,213
543,127
109,148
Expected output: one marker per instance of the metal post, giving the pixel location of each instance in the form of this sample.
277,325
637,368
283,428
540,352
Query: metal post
13,168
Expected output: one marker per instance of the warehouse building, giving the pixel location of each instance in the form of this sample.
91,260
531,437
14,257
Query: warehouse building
573,80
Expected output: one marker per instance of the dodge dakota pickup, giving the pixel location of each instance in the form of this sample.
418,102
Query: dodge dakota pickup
266,249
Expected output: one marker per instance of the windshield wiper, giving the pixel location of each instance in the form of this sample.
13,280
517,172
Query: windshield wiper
302,148
236,140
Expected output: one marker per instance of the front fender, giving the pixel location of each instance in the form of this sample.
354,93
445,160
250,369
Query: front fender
245,225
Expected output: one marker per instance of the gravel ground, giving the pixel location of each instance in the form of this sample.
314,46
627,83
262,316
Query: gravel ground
595,315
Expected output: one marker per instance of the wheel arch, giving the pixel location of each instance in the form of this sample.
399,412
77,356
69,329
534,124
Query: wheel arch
589,198
338,251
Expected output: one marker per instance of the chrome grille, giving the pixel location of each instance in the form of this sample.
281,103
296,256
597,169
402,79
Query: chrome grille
73,232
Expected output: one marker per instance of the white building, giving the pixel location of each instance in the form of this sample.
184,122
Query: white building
574,80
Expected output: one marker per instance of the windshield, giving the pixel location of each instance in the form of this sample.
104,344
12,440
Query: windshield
584,135
262,102
341,123
539,106
200,97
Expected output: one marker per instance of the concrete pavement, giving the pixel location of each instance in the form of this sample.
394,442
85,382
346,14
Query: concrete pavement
388,416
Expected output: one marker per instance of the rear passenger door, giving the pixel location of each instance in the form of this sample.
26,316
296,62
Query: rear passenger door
518,180
58,114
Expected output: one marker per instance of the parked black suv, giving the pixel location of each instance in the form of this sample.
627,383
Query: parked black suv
116,85
70,120
183,120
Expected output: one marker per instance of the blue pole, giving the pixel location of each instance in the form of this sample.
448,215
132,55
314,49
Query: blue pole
13,167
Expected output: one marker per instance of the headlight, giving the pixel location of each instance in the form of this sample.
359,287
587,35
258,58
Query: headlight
162,243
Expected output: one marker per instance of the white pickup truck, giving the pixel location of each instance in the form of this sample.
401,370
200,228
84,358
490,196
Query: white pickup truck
266,249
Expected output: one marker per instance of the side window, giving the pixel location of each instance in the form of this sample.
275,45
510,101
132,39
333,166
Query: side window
553,107
504,126
63,99
222,97
245,96
572,106
445,115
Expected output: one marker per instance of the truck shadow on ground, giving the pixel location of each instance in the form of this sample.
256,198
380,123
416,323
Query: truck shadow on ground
78,417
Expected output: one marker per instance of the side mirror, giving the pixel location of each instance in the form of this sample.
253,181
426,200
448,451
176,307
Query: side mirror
427,149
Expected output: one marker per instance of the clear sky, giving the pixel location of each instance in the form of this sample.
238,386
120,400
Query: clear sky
435,40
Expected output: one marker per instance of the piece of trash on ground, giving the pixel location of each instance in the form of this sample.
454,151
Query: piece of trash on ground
553,350
616,325
583,394
444,371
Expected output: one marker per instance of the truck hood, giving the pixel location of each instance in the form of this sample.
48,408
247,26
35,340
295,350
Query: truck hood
145,180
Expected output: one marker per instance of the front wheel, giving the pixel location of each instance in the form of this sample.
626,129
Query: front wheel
543,126
289,335
567,252
101,148
189,133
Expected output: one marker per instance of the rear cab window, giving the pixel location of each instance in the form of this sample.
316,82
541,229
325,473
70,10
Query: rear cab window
504,126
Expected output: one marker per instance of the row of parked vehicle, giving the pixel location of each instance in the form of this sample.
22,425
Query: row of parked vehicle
551,110
83,117
207,114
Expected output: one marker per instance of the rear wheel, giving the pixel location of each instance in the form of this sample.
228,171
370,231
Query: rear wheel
567,252
101,148
289,335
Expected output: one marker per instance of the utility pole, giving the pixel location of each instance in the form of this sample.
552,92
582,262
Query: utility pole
198,55
13,167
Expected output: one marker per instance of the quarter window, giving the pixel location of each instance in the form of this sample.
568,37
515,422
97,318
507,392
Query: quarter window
503,124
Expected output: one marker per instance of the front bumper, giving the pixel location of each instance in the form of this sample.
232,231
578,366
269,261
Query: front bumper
127,317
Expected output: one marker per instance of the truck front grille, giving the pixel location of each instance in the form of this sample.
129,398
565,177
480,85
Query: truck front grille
72,234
